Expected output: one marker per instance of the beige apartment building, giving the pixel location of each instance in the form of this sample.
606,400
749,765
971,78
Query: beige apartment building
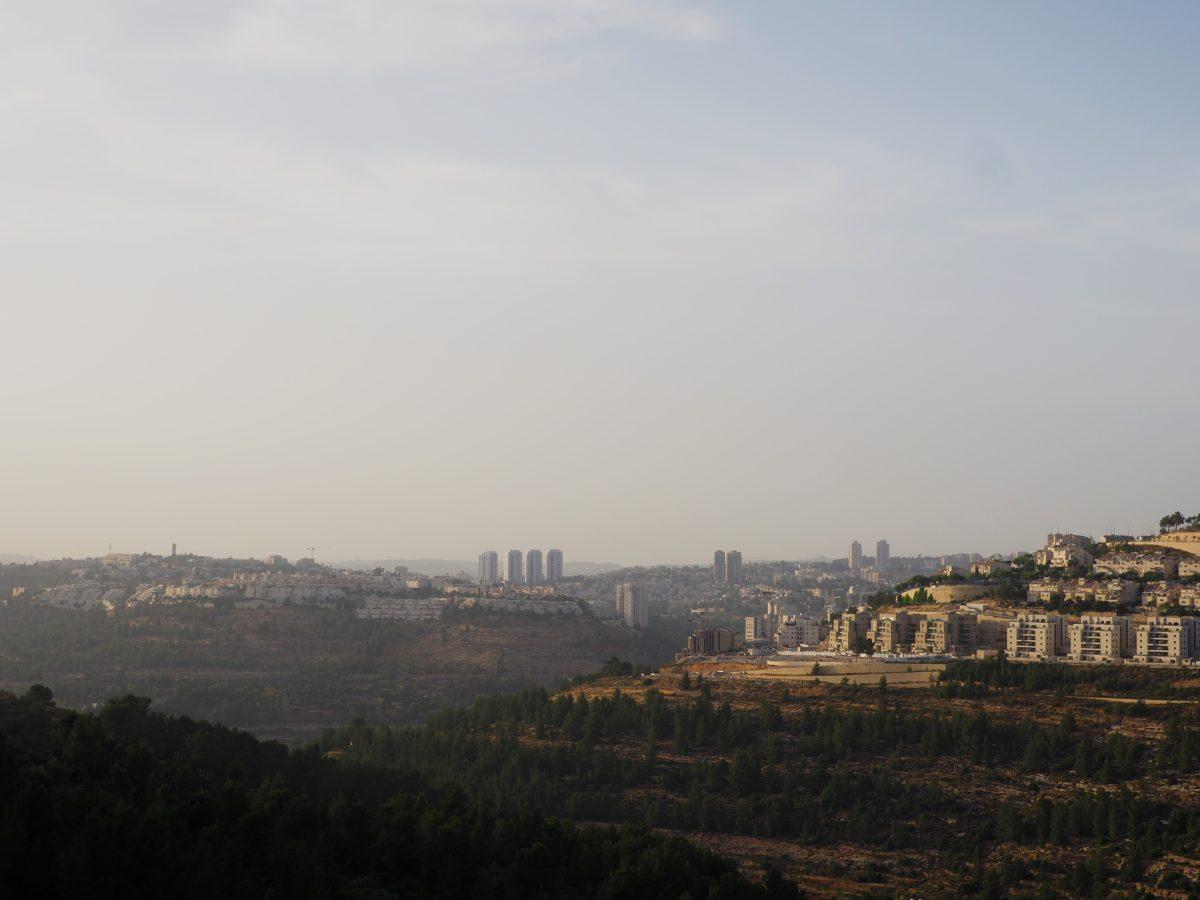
1100,637
893,632
901,631
847,629
1140,564
990,566
1189,567
1037,635
1171,593
1083,590
1064,550
948,632
1166,640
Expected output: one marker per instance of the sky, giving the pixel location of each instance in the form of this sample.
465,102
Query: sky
633,278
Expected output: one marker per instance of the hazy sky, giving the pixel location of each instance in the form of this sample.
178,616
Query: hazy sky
633,278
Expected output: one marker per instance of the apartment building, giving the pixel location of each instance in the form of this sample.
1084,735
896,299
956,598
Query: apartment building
1065,557
893,632
1171,593
1166,640
1189,567
1163,565
514,568
798,631
554,566
990,566
534,574
757,628
216,591
489,567
1037,635
883,555
948,632
403,609
1100,637
710,641
1083,590
733,567
855,558
631,605
1064,550
1066,539
847,629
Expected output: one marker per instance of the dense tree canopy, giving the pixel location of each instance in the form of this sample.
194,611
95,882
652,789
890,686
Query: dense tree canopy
129,802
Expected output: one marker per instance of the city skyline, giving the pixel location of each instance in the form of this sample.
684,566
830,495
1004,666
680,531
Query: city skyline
707,560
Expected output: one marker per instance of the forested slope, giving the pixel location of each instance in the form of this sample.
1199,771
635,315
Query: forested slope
132,803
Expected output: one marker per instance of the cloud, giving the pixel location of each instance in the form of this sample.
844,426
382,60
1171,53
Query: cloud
178,188
385,33
347,34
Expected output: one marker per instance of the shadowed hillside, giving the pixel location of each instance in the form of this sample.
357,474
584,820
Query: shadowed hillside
289,672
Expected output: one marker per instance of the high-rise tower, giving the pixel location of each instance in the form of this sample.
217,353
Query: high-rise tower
883,554
733,566
554,566
855,558
632,606
514,572
719,567
533,567
489,567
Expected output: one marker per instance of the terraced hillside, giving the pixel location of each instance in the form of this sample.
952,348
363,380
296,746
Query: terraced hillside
1003,780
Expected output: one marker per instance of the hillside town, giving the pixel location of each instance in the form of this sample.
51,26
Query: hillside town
124,582
1122,599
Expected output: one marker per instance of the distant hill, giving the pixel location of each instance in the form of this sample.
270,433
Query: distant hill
6,558
287,673
470,566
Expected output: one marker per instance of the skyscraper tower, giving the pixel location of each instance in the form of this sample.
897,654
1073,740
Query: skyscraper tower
883,555
489,567
733,566
719,567
533,567
514,572
855,559
632,606
554,566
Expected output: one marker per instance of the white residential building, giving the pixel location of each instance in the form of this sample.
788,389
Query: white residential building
1083,590
797,631
1141,564
1167,640
1100,637
1036,635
